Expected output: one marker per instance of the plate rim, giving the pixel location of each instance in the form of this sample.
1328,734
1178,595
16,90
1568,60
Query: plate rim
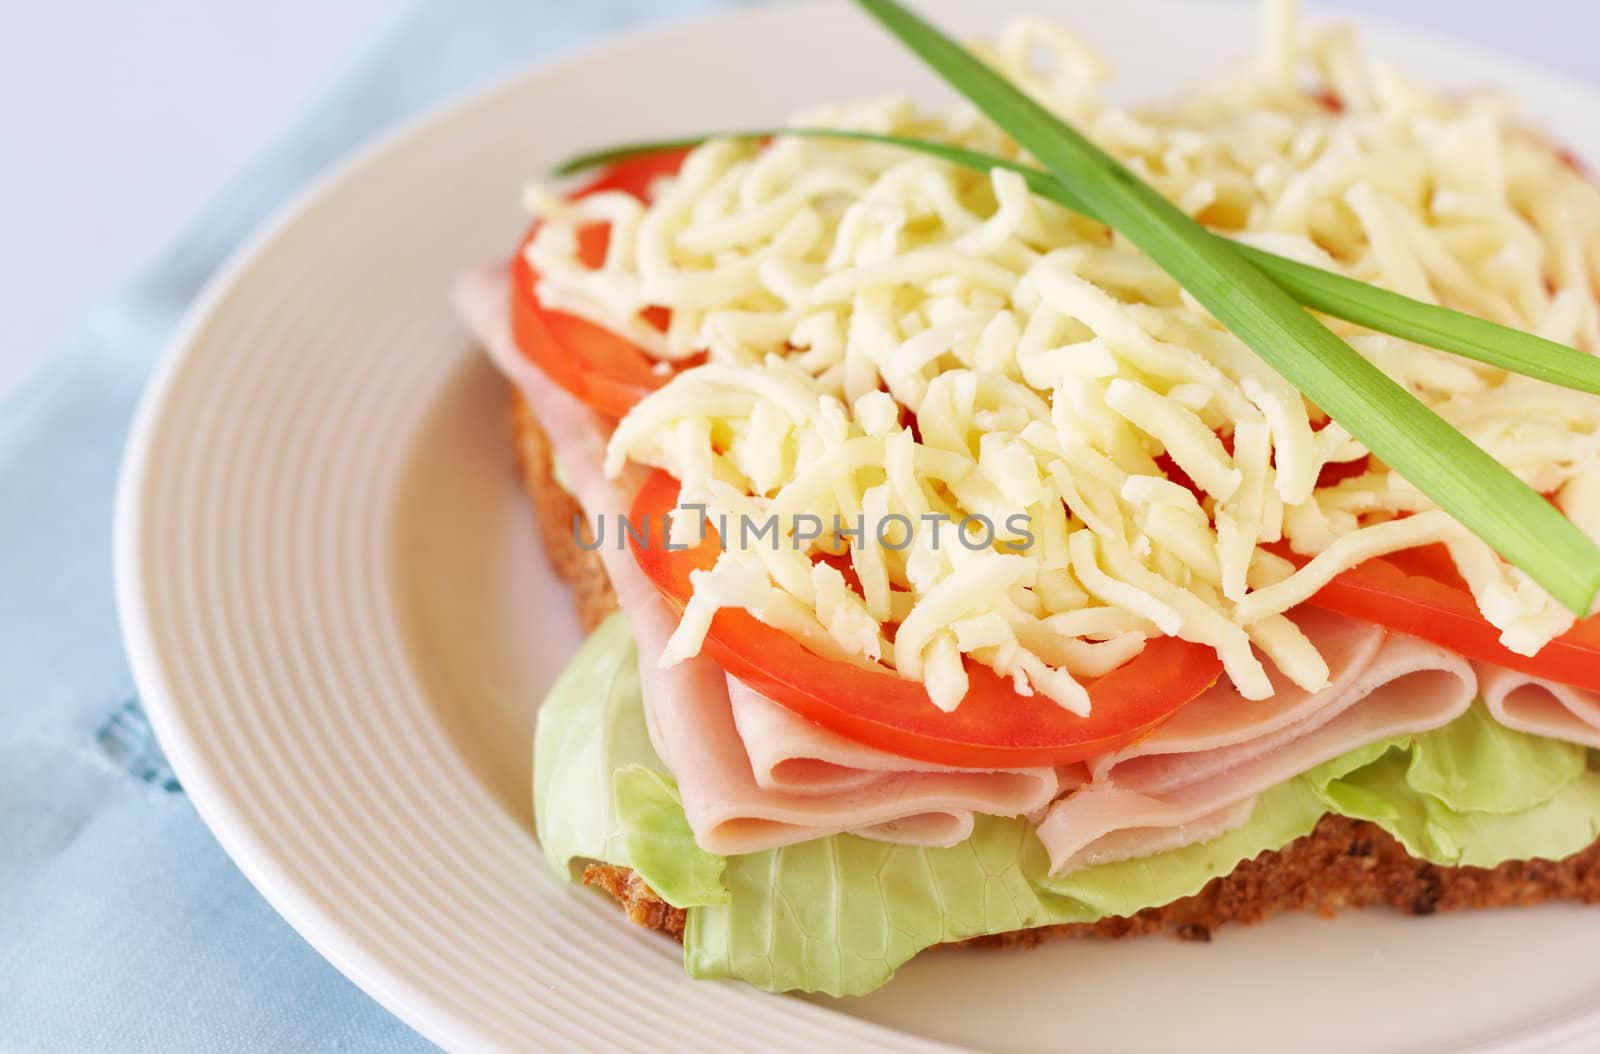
412,1004
409,1002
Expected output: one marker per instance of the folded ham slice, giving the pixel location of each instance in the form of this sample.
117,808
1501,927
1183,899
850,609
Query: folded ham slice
1167,825
1222,728
1200,779
790,756
1545,708
754,776
730,812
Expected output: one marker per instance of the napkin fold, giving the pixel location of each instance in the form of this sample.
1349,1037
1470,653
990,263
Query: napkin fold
123,926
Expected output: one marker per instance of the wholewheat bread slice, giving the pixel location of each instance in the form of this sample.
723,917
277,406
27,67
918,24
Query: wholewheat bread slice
1342,864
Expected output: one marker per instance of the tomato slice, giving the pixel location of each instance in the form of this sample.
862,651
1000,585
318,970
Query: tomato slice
993,726
606,371
1419,592
635,174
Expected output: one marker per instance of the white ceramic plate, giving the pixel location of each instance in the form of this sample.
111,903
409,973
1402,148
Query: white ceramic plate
341,624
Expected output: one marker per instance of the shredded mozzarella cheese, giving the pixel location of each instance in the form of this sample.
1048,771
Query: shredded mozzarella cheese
889,338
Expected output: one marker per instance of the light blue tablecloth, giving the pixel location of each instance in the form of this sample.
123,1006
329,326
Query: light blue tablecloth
123,926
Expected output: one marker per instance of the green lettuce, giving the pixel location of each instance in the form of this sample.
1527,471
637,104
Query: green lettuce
590,726
840,914
1478,765
1385,792
1472,793
659,844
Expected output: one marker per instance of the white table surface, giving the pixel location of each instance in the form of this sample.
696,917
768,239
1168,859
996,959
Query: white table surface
119,121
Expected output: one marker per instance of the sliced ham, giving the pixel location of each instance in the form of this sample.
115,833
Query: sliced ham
1181,829
1222,729
814,784
1406,685
578,437
730,812
790,754
793,755
1544,708
927,829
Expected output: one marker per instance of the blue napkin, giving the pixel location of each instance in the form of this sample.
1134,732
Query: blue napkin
123,926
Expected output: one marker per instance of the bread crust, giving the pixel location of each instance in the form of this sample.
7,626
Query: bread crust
560,517
1342,864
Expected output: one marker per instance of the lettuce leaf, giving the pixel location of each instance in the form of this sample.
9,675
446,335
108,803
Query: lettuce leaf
659,844
1472,793
590,726
840,914
1430,830
834,915
1476,764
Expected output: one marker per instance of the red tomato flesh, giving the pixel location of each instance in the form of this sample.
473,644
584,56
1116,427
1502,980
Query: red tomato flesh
1419,592
604,370
993,726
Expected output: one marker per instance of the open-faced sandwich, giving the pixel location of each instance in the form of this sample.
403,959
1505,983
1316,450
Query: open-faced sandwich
1083,520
